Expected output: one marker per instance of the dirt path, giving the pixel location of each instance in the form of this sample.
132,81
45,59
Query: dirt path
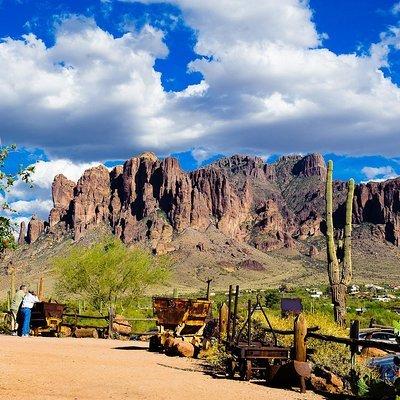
83,369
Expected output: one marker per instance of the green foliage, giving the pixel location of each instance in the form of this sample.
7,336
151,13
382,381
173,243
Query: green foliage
7,180
272,298
217,357
108,272
7,240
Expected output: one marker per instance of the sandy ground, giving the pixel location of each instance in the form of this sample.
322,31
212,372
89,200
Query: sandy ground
82,369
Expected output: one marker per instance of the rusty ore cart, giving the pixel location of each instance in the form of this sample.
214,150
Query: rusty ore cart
47,318
258,358
179,317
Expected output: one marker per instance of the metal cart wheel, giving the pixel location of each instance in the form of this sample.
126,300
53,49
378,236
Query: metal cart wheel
8,321
245,368
231,368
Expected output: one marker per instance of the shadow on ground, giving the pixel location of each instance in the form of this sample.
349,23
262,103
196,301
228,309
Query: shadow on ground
133,347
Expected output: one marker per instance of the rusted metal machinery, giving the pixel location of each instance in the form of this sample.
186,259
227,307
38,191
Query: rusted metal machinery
47,318
257,358
179,317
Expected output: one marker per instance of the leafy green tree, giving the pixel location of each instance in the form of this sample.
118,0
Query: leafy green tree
272,298
7,180
108,271
7,240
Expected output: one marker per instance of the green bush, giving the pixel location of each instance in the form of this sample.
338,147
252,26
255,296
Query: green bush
107,273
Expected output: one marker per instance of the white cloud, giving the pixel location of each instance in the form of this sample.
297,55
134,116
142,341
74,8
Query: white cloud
268,86
27,201
396,8
378,174
90,94
201,154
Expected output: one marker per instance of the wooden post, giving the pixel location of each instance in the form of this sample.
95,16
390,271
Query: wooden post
354,334
248,322
228,336
12,283
41,289
9,300
80,307
223,321
175,293
110,322
208,288
235,311
300,349
101,307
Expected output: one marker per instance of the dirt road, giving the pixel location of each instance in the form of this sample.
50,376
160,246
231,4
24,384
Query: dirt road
82,369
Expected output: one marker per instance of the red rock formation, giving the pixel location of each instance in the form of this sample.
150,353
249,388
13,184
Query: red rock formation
91,201
379,203
267,205
35,229
310,165
63,194
22,233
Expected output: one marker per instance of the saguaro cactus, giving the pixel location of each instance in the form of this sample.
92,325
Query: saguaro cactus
340,268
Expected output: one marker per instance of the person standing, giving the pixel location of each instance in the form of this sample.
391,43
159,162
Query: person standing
15,308
26,310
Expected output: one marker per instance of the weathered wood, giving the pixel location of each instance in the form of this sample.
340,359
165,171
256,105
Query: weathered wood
300,348
41,289
229,337
208,288
105,317
111,314
372,325
235,312
354,334
9,300
12,283
121,326
86,333
223,321
359,342
248,322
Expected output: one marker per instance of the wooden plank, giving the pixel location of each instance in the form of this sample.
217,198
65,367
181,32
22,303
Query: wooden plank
358,342
105,317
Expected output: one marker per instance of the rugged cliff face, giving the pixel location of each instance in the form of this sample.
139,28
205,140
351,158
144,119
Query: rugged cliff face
269,206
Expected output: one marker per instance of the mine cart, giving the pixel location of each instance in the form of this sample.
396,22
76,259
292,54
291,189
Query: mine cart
47,318
181,316
251,358
178,317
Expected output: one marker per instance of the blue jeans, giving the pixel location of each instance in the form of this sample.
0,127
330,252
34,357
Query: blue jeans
26,320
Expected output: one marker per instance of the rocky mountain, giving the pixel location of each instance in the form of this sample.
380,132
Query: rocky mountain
267,206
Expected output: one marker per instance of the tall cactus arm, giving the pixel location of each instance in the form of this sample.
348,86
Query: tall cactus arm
347,271
333,265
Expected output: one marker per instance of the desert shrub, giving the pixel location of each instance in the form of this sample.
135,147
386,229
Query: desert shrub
272,298
107,272
217,357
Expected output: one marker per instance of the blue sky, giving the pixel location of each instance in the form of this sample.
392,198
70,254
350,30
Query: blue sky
93,81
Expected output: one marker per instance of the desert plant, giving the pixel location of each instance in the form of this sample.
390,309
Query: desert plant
339,258
272,298
7,180
107,272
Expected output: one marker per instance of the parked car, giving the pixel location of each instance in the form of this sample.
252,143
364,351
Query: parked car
380,336
387,366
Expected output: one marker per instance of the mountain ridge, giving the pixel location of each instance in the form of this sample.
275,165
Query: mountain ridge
266,205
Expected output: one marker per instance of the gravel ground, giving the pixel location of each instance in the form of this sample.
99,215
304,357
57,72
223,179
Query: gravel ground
82,369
